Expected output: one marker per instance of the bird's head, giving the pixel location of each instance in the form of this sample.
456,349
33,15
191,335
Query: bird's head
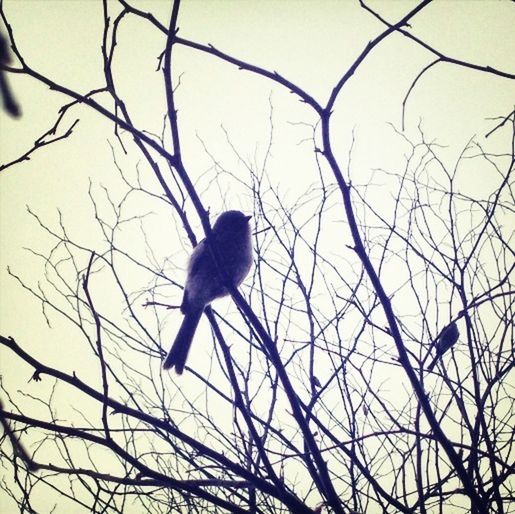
232,221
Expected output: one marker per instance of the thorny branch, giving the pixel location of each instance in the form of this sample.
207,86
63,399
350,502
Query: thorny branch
306,395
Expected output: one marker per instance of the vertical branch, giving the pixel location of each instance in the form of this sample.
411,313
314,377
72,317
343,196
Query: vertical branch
98,328
172,116
392,320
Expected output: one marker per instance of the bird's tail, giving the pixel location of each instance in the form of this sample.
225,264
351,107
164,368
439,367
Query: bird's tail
181,346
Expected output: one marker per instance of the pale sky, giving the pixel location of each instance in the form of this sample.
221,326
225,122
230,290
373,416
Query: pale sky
311,43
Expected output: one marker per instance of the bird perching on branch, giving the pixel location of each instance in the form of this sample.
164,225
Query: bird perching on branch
231,240
447,339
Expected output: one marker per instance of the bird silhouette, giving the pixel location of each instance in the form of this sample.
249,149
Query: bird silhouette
231,238
446,340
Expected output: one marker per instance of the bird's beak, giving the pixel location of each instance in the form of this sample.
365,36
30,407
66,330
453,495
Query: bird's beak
248,218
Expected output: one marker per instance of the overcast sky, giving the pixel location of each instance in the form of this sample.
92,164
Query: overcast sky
311,43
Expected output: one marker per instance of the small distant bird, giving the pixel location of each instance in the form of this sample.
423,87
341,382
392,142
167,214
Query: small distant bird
231,240
447,339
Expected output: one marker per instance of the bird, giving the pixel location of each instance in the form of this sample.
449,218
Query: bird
230,241
446,340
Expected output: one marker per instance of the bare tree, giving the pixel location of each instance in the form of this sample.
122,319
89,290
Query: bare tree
363,367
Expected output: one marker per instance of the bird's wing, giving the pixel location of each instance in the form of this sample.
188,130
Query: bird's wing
196,258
